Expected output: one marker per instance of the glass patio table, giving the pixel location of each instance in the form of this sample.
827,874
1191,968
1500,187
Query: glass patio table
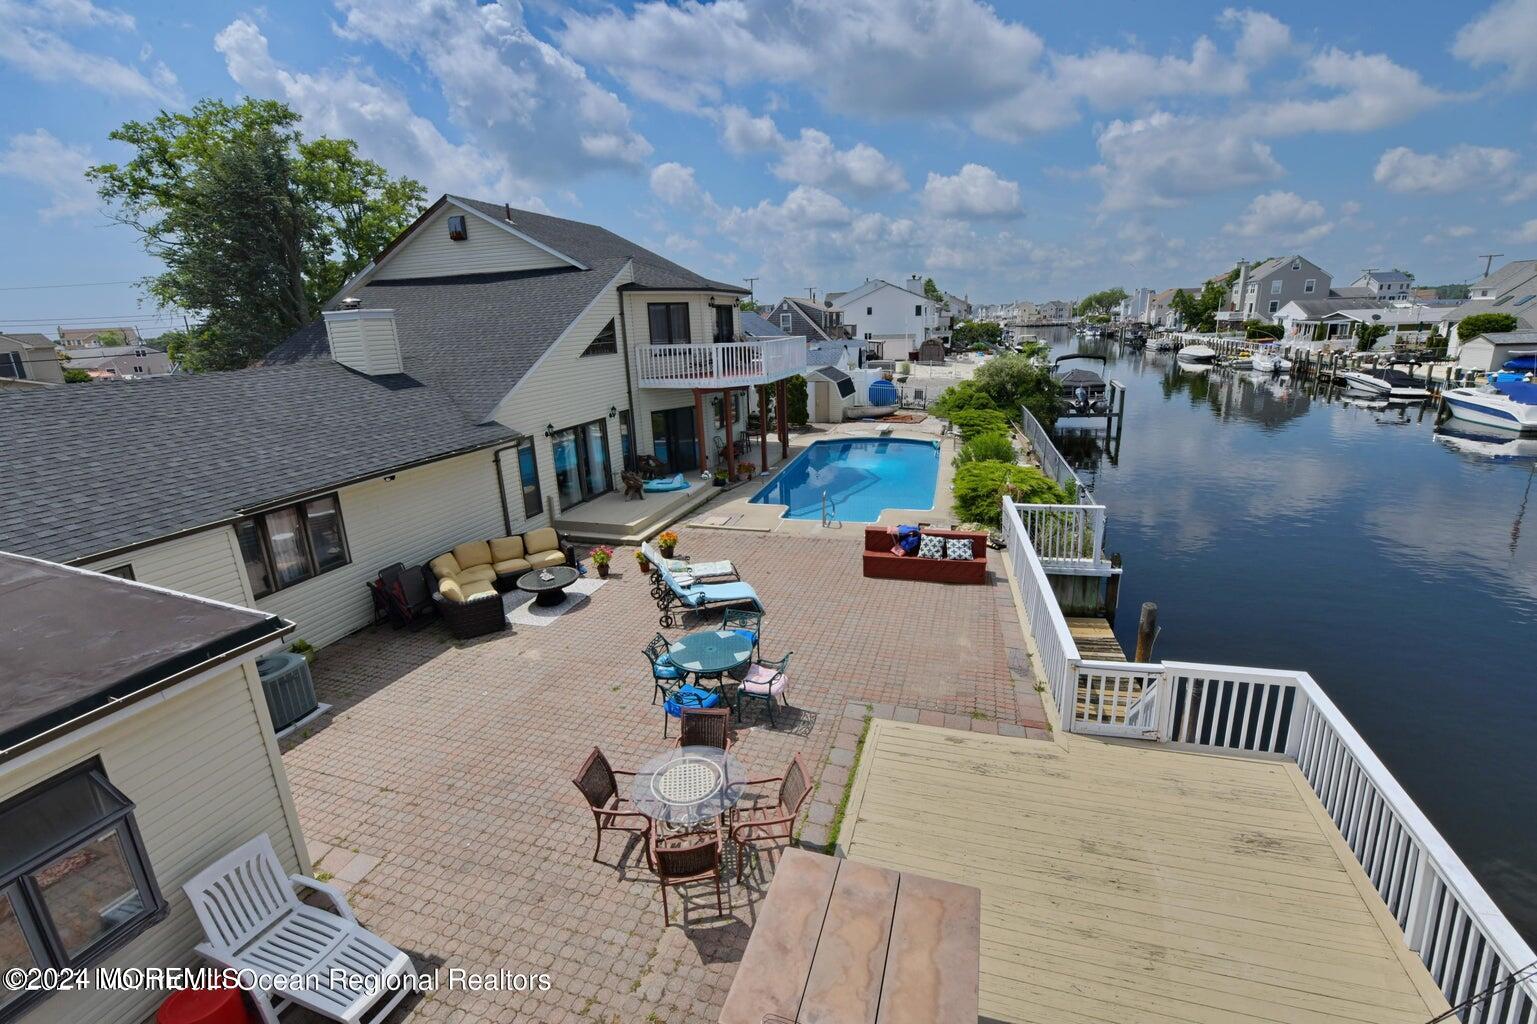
688,785
711,653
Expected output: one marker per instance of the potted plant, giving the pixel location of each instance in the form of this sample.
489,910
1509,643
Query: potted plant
601,556
667,542
720,478
643,564
747,470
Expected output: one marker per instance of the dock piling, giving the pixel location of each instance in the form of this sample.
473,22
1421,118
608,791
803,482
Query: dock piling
1147,631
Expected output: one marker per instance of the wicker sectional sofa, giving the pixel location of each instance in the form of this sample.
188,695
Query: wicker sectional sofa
471,577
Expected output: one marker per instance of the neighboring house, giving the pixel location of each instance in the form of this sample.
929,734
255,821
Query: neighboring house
29,358
87,337
1334,319
119,362
136,748
1261,290
479,380
893,320
1161,311
958,306
1136,305
1057,311
1389,285
1511,289
803,318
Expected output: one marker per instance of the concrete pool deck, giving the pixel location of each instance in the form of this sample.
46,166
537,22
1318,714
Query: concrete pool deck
736,511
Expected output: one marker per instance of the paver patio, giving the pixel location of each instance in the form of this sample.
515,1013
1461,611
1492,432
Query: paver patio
450,762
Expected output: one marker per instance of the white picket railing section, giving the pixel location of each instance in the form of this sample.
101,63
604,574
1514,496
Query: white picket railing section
1067,538
1447,918
725,364
1052,462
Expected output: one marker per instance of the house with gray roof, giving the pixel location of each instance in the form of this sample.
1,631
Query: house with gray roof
28,360
490,372
1510,289
1263,289
1390,285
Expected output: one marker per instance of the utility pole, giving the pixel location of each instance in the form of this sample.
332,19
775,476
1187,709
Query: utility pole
811,291
750,293
1489,258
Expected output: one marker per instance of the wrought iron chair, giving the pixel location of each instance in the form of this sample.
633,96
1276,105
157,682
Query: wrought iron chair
766,681
775,822
686,857
704,727
600,788
745,621
665,676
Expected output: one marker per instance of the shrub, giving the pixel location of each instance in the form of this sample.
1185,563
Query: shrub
795,405
1485,323
961,395
972,422
979,488
1020,378
987,448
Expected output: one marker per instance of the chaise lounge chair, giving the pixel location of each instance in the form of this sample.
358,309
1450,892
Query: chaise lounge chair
698,572
700,595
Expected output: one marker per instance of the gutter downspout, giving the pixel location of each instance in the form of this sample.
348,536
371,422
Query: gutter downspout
629,384
501,485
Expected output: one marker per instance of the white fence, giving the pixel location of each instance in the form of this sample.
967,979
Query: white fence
1447,918
1067,538
725,364
1052,462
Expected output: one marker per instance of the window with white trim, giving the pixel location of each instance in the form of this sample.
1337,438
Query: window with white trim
784,321
1273,305
1275,287
75,882
1309,286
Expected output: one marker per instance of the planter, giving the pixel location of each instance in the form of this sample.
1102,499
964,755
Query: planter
667,550
603,571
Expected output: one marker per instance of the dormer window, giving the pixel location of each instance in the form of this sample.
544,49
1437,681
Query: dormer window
1296,264
458,230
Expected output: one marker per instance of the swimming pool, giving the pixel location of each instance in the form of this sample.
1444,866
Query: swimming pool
861,476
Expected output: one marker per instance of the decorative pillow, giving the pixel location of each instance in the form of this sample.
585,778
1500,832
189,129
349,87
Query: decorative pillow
958,548
931,547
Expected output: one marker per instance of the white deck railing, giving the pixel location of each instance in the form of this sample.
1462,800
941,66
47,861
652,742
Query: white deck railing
1052,462
725,364
1448,920
1067,538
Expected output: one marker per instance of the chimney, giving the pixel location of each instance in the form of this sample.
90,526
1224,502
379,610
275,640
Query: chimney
1243,283
363,339
915,284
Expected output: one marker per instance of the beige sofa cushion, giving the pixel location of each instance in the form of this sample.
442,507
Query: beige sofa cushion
542,539
473,553
511,566
475,574
544,559
444,567
478,590
451,590
505,549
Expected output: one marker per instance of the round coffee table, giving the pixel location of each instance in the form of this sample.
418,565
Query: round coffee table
548,591
688,785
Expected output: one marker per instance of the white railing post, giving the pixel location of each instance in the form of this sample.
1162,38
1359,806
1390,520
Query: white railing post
1418,918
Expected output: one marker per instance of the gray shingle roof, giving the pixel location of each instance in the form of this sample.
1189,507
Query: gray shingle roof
1323,307
758,327
30,340
174,453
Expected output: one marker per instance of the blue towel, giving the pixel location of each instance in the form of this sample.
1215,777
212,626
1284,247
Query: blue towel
908,538
690,697
698,595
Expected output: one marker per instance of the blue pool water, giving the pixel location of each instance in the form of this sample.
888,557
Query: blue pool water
862,477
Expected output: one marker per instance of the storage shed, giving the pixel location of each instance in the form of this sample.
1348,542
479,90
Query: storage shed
1491,351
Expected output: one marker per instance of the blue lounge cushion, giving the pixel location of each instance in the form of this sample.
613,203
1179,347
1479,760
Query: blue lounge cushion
670,483
690,697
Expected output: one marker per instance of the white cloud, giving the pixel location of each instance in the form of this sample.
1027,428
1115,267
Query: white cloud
33,41
517,96
1461,167
1370,92
345,104
1110,79
59,169
812,159
1526,232
1283,217
1165,160
674,184
1505,34
744,133
976,192
1261,37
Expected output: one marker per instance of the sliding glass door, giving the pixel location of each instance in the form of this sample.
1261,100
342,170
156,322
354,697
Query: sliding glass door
581,463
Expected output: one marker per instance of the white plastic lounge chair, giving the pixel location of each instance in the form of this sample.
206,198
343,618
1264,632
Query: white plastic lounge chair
698,570
254,921
701,595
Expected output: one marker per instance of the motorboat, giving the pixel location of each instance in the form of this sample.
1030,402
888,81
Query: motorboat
1384,382
1506,404
1498,445
1197,353
1267,358
1081,392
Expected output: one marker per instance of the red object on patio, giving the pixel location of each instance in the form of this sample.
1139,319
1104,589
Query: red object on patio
880,563
204,1006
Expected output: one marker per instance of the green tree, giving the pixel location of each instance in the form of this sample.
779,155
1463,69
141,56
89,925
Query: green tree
931,291
1486,323
972,423
796,409
1367,335
110,339
963,394
1020,378
749,306
255,225
971,332
1257,329
1103,303
1199,312
76,377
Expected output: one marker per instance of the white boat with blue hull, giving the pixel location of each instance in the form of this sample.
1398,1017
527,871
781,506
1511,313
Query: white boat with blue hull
1508,405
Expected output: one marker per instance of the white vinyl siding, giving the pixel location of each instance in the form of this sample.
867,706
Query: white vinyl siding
701,330
203,780
488,249
207,564
565,389
413,518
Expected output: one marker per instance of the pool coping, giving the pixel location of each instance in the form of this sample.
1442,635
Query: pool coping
934,442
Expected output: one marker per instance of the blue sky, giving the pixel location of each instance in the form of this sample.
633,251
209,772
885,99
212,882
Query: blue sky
1010,151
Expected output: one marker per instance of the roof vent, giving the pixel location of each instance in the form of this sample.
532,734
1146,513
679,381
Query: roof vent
364,340
352,302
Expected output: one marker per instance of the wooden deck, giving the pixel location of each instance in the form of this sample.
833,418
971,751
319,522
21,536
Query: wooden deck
1128,883
1095,639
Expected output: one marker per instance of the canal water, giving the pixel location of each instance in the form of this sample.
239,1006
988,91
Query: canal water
1279,527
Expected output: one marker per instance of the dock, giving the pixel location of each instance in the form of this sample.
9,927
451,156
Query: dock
1095,639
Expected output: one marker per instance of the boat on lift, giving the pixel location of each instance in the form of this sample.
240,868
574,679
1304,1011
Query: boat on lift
1506,404
1197,353
1384,382
1081,392
1266,358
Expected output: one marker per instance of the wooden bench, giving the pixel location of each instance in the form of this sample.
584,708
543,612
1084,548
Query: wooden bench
840,942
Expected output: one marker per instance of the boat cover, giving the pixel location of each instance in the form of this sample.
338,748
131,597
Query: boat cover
1518,391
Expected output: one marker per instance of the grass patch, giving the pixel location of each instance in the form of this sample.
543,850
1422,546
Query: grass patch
843,803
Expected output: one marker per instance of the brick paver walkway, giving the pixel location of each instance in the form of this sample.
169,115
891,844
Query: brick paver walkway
451,763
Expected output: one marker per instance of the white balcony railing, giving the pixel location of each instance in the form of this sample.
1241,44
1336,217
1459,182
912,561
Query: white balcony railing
1067,538
727,364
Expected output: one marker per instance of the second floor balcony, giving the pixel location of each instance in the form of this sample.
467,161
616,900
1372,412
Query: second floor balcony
729,364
